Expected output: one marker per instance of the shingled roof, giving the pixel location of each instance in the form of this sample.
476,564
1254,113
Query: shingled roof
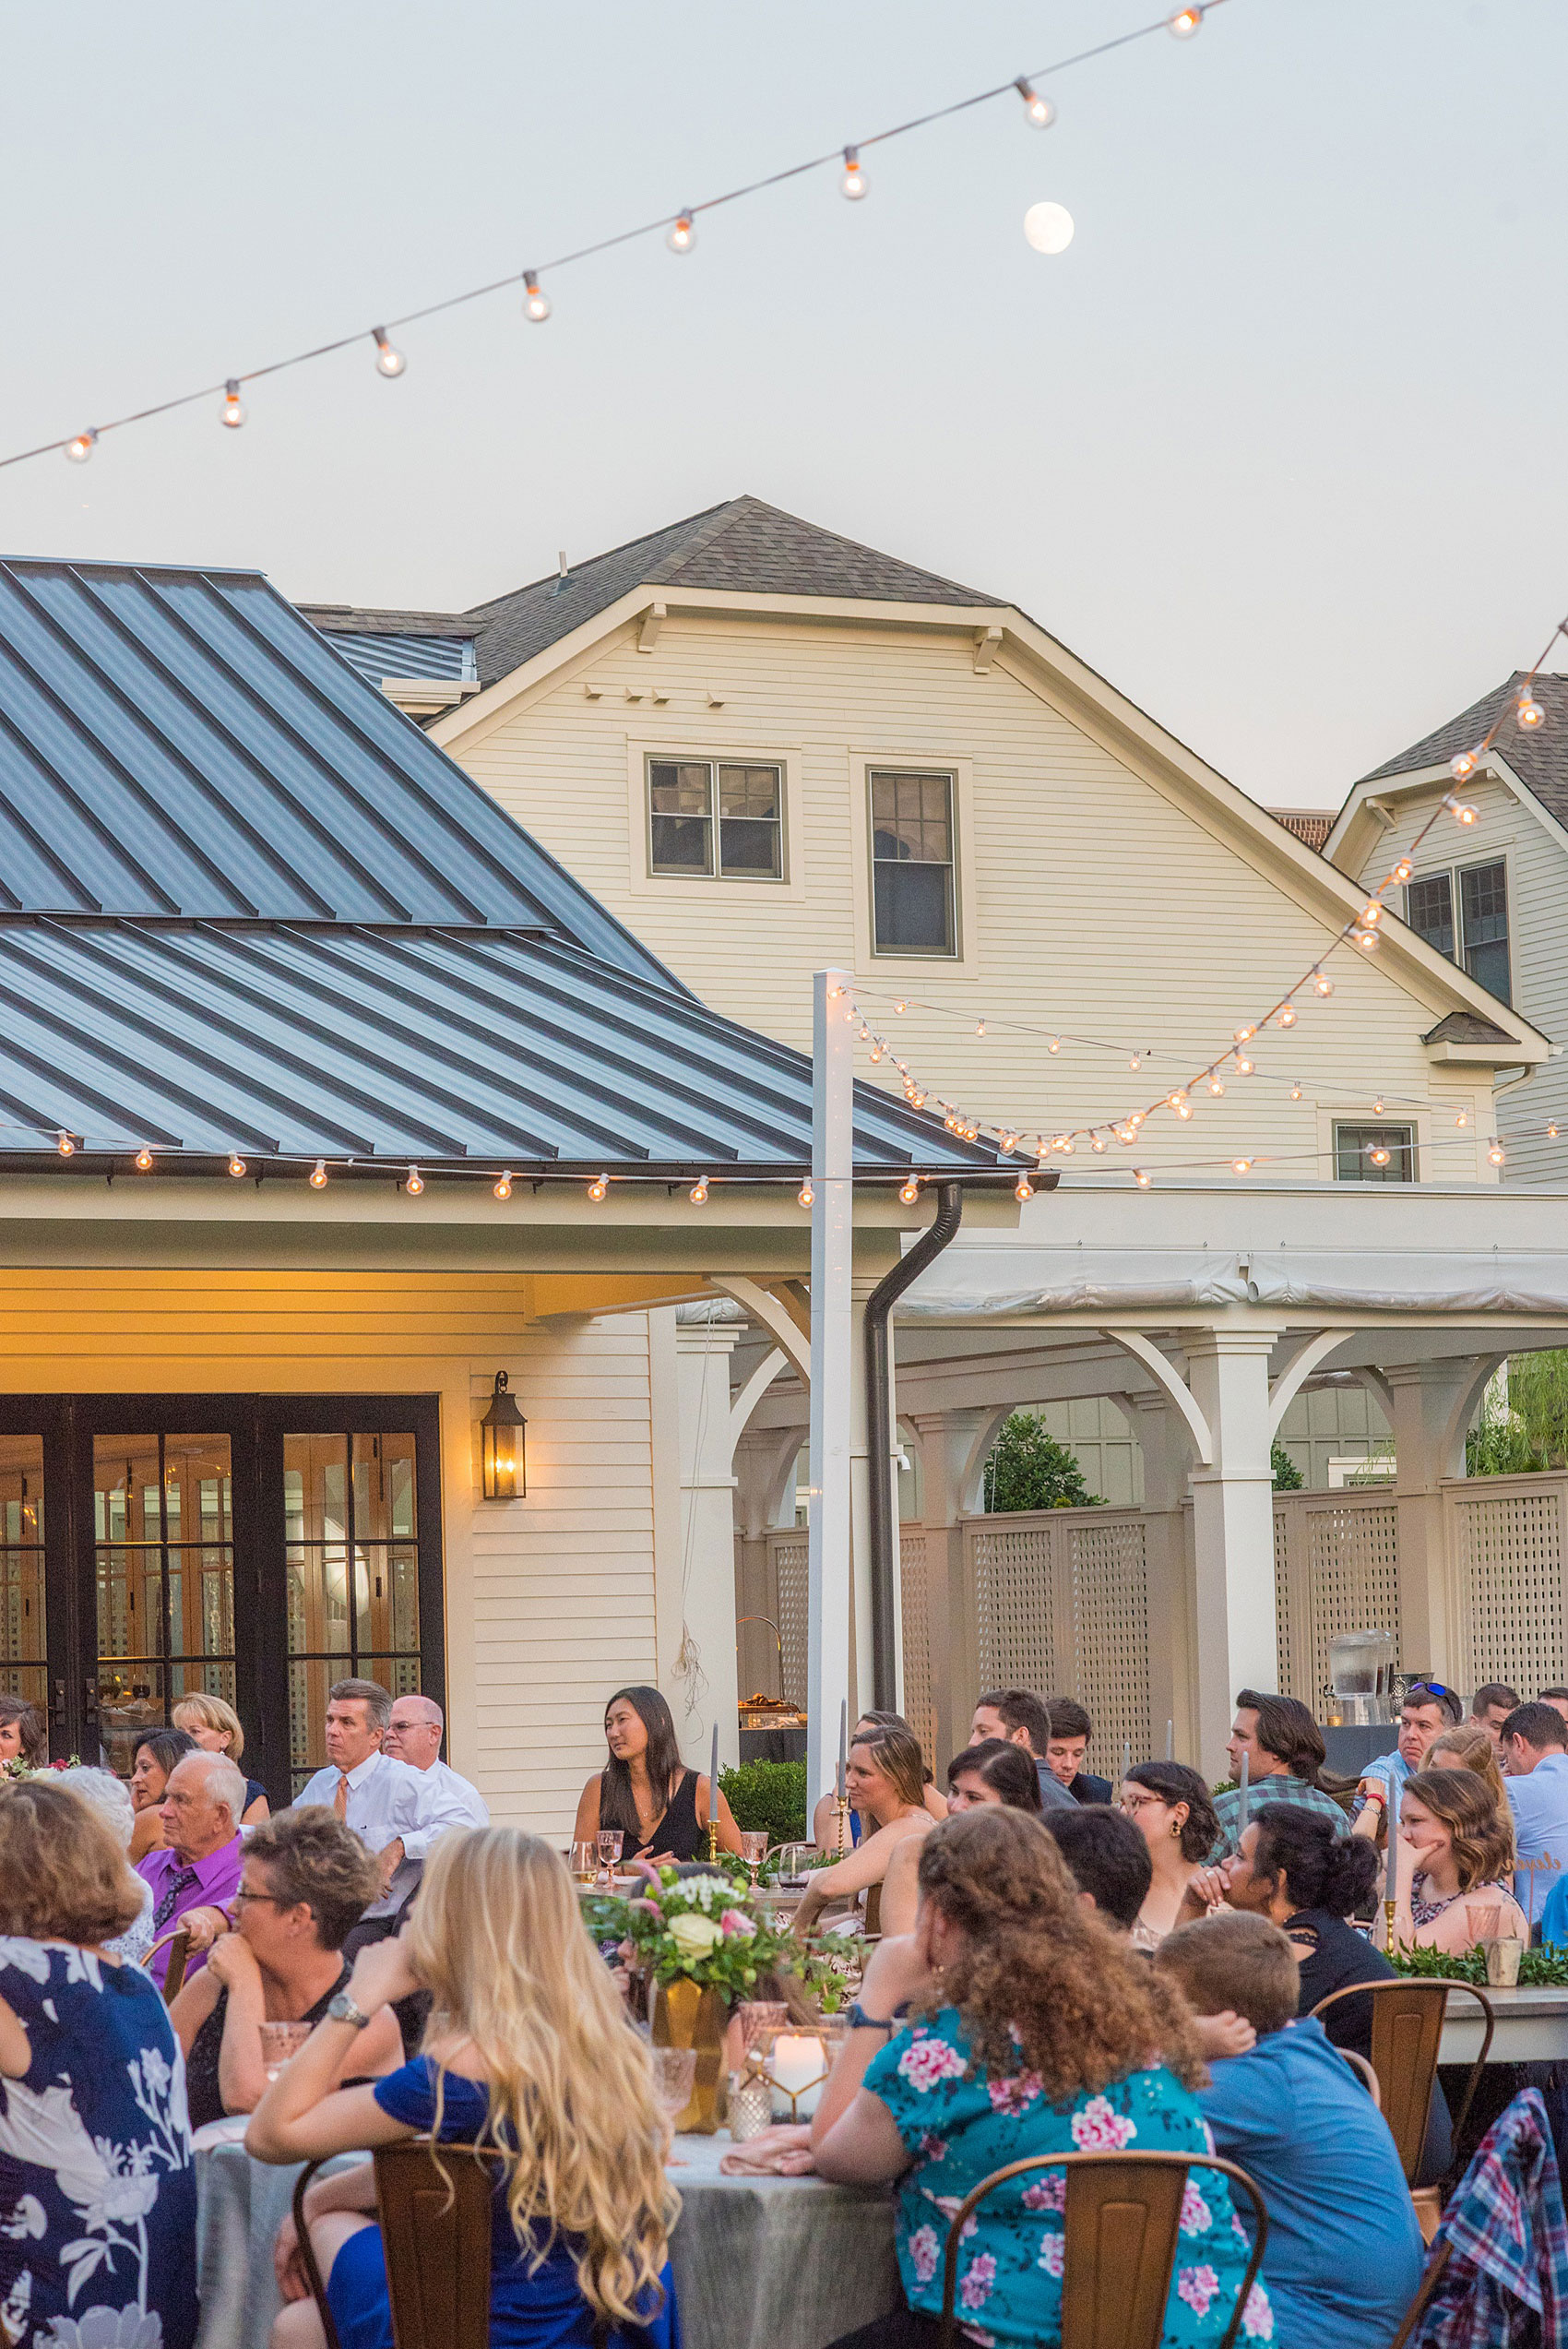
1539,758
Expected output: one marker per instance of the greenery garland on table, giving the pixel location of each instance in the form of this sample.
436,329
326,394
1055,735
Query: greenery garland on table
1543,1969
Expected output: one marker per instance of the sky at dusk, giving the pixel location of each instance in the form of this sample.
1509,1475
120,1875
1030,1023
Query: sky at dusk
1275,445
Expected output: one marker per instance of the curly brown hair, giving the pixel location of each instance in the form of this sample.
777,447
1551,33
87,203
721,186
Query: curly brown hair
1482,1831
1042,1985
313,1861
63,1876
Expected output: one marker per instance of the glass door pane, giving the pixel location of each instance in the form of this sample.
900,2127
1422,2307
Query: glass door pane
22,1627
164,1569
352,1558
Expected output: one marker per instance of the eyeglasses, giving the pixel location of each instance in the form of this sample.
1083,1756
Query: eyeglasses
242,1894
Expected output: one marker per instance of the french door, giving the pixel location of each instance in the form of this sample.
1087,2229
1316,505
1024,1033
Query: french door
257,1547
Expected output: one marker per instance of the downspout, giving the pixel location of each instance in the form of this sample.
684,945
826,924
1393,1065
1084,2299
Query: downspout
879,1439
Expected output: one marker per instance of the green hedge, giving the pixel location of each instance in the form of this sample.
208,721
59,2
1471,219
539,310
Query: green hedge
768,1795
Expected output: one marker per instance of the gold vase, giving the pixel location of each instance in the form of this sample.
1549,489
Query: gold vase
687,2015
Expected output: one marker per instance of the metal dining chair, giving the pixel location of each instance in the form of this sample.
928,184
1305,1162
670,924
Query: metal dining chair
1407,2032
178,1944
435,2210
1122,2216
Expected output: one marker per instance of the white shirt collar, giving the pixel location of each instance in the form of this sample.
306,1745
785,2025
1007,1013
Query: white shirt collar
362,1770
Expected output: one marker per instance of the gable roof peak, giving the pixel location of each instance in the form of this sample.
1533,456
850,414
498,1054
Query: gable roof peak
1537,756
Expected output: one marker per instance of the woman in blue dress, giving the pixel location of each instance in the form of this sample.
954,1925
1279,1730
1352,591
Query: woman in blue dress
527,2049
1030,2029
97,2191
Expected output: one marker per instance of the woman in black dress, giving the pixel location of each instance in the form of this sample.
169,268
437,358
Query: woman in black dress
645,1789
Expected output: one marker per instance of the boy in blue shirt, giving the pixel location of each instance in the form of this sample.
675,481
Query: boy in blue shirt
1341,2265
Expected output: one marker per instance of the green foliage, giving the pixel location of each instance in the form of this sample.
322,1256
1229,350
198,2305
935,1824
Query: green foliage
1543,1969
1537,1397
771,1795
1287,1477
1028,1469
707,1929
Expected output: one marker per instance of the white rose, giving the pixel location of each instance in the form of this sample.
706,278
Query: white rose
695,1936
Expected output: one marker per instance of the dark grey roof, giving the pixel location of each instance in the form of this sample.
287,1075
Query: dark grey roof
744,544
369,620
179,741
1468,1028
402,1044
1539,758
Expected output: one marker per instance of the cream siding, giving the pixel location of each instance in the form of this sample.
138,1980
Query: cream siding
1098,909
1537,945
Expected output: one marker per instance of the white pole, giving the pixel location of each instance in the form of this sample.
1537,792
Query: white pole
827,1602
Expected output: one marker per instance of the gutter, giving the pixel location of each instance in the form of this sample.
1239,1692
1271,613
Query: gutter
879,1447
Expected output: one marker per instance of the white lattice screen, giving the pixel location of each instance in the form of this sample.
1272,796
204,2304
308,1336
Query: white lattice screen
919,1711
790,1565
1062,1607
1282,1604
1336,1569
1506,1543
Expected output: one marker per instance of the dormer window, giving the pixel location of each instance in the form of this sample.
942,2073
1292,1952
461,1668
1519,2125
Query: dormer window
716,819
1477,895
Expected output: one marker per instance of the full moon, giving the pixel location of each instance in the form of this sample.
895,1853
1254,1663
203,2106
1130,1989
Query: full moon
1048,227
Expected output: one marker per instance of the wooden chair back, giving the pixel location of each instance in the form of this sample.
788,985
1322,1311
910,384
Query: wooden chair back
874,1913
1407,2019
435,2207
178,1944
1123,2215
1364,2071
1432,2276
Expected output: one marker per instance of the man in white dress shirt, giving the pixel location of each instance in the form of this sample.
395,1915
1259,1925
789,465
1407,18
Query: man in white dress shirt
413,1736
383,1801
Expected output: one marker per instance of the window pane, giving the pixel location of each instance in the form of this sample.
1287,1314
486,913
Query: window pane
751,830
747,847
911,817
163,1523
682,844
1429,909
22,1622
1354,1146
1483,897
914,909
748,791
318,1601
681,805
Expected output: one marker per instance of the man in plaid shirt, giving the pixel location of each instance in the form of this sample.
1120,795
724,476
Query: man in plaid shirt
1285,1752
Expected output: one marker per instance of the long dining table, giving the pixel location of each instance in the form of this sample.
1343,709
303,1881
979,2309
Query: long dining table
1532,2027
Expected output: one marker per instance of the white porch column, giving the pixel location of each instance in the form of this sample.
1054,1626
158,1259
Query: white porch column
1167,1453
1234,1633
954,1445
834,1362
703,1673
1428,1405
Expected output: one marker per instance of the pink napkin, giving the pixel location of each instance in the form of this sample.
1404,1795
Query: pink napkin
781,2152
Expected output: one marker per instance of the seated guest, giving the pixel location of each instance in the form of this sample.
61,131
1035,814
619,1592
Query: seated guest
217,1730
1557,1698
153,1757
1284,1745
1455,1851
824,1819
196,1871
992,1772
645,1790
1109,1862
886,1788
527,2049
24,1733
111,1798
1491,1706
1428,1709
1071,1730
306,1880
1344,2254
1032,2034
98,2204
1019,1716
1532,1742
1171,1807
413,1736
1469,1747
383,1801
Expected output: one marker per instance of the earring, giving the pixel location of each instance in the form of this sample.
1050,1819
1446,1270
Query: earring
1175,1831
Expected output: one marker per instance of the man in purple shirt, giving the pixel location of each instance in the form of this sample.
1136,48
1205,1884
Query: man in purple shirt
198,1869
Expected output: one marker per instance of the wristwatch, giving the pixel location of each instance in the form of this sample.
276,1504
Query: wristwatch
342,2010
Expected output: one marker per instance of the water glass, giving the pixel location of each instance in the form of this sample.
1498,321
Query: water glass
674,2077
280,2041
609,1839
585,1862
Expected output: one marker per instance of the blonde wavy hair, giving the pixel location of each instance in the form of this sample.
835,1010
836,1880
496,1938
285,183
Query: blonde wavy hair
497,1939
1468,1746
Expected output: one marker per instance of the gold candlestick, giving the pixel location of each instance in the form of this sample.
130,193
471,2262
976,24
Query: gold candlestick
843,1809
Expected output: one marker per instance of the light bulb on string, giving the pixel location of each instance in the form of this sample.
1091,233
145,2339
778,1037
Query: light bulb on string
1371,913
853,184
1245,1035
1366,940
1494,1155
388,361
1037,109
805,1196
1142,1177
1551,1133
901,1005
536,304
681,234
415,1183
81,448
236,1163
698,1193
979,1027
1176,1100
501,1186
1185,22
1463,813
66,1146
1243,1066
1023,1190
878,1052
233,413
1379,1156
144,1160
1286,1017
1295,1092
1462,1118
1097,1145
1462,766
1008,1141
1529,713
1053,1043
1404,870
1241,1167
1217,1083
909,1191
1322,984
598,1187
1377,1107
318,1176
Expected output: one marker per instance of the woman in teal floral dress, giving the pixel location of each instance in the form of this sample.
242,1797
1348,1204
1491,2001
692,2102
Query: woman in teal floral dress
1031,2031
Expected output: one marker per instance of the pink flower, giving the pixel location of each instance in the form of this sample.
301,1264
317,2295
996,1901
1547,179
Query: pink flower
1052,2253
1016,2094
645,1908
923,2250
933,2148
1257,2317
1196,2217
926,2062
735,1922
1098,2129
1197,2287
1048,2193
974,2291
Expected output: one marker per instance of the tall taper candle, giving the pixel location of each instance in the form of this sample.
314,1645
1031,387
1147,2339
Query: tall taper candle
1126,1756
1170,1741
843,1745
1391,1881
1242,1805
713,1799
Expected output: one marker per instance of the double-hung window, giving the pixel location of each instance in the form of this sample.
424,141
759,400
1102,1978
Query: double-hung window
1429,909
716,819
914,865
1465,916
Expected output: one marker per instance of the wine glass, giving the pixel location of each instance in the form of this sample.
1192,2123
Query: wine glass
280,2042
674,2077
585,1861
609,1841
754,1850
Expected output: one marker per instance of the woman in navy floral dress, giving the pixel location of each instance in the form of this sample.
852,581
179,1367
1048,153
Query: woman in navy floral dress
97,2190
1032,2031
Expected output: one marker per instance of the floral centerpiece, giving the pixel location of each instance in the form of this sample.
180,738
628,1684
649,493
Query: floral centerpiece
705,1929
16,1767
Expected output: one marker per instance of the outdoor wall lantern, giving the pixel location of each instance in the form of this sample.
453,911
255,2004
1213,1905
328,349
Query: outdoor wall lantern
503,1446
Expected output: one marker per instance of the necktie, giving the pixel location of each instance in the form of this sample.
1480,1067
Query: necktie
179,1883
341,1799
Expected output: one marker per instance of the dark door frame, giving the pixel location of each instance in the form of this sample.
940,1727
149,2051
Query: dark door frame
255,1426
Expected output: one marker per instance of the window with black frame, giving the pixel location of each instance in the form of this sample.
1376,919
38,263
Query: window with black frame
163,1553
351,1531
1379,1153
23,1629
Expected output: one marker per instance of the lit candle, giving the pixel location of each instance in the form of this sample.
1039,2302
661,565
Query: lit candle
1242,1805
795,2062
843,1744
